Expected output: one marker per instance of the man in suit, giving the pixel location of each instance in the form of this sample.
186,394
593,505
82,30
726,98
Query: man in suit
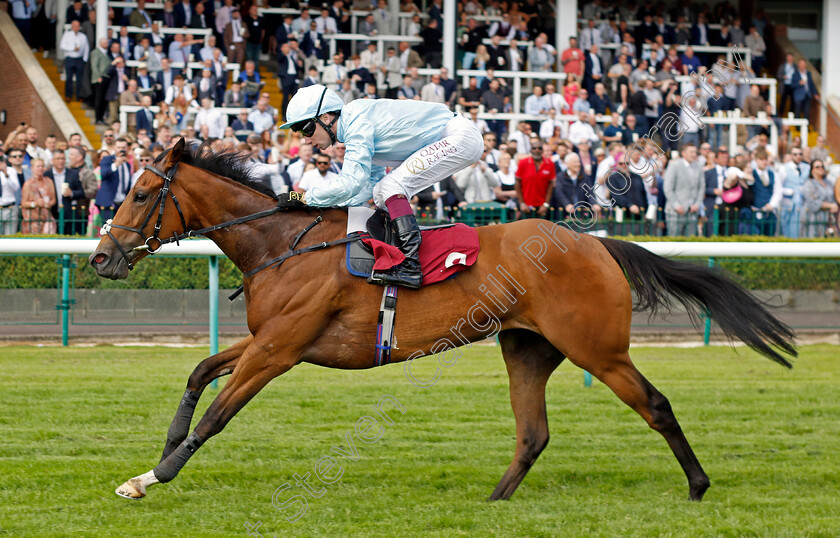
145,118
183,11
284,31
700,31
234,97
205,85
768,194
785,77
593,71
289,71
497,54
367,26
99,65
116,180
433,91
572,186
199,19
117,84
235,35
130,97
145,82
392,71
126,44
803,90
69,192
359,74
334,74
714,177
311,79
665,30
684,188
386,22
513,58
77,11
409,57
165,78
140,17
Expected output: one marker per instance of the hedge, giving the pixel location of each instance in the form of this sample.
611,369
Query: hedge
29,272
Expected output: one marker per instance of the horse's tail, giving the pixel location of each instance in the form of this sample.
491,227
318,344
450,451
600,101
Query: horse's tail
657,281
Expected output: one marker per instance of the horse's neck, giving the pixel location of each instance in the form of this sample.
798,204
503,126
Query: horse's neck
259,240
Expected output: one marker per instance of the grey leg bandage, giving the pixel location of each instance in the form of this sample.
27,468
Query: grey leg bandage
168,468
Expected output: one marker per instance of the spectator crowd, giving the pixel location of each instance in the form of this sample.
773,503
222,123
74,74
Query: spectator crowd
591,147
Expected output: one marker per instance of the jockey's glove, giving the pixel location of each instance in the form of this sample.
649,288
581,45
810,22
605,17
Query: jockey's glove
291,200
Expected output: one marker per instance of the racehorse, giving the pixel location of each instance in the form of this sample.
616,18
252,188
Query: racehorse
548,292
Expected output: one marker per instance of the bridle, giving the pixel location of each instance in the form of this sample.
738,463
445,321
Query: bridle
159,205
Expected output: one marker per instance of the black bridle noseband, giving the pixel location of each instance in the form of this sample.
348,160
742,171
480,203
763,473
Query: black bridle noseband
160,205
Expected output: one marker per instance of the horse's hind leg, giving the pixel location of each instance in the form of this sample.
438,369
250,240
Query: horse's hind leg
530,359
207,370
620,375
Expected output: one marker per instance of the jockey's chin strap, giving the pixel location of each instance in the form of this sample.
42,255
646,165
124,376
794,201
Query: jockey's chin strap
328,127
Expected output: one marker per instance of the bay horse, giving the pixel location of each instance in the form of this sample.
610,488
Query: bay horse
546,291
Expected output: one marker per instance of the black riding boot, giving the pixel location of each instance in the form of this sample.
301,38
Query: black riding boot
408,273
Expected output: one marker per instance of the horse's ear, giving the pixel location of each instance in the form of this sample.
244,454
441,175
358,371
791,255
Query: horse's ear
174,155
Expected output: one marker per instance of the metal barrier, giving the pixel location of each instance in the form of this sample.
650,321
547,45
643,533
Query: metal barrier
64,248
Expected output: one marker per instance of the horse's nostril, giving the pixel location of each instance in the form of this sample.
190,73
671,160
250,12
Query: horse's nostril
99,258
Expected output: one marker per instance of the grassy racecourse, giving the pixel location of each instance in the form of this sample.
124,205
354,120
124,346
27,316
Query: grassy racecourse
75,423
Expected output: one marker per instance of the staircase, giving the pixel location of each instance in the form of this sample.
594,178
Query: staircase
272,86
79,111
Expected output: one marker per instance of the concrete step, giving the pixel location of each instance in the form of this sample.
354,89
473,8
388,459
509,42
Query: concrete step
83,115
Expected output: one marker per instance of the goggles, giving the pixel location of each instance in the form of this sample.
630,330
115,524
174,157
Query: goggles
307,127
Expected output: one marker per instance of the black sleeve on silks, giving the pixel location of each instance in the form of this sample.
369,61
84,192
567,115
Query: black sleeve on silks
168,468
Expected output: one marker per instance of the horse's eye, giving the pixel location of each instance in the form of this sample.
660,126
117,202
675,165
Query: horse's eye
140,197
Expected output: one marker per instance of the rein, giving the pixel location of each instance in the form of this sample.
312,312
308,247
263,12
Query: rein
160,204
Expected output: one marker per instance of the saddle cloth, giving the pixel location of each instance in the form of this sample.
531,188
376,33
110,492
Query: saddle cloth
444,251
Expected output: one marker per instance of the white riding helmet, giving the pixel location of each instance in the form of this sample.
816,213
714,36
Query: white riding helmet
309,103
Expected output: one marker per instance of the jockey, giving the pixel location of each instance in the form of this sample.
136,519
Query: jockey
422,142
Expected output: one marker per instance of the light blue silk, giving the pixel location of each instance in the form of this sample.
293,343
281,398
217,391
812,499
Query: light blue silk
378,133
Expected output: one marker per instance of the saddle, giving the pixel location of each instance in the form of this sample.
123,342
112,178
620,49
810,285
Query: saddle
377,225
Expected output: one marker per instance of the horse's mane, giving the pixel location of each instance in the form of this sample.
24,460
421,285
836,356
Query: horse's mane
235,165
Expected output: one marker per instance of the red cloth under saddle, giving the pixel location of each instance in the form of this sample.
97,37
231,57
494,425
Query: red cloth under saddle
460,241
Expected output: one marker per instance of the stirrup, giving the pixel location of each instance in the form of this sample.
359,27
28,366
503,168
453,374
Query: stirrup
394,277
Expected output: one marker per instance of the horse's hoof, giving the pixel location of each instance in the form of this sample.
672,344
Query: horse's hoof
132,489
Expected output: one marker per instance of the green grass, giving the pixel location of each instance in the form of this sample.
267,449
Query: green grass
75,423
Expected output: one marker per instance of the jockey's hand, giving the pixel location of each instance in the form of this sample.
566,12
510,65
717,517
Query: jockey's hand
291,200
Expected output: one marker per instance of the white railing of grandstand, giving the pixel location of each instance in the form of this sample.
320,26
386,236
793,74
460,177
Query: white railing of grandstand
125,110
702,49
188,68
355,14
585,22
694,249
379,38
162,29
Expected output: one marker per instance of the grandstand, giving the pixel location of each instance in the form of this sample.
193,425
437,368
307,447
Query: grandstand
662,118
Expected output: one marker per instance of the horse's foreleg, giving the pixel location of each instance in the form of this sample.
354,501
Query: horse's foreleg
620,375
207,370
258,365
530,359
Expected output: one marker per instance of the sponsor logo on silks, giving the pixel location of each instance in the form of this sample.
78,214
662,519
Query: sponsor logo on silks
429,156
416,165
